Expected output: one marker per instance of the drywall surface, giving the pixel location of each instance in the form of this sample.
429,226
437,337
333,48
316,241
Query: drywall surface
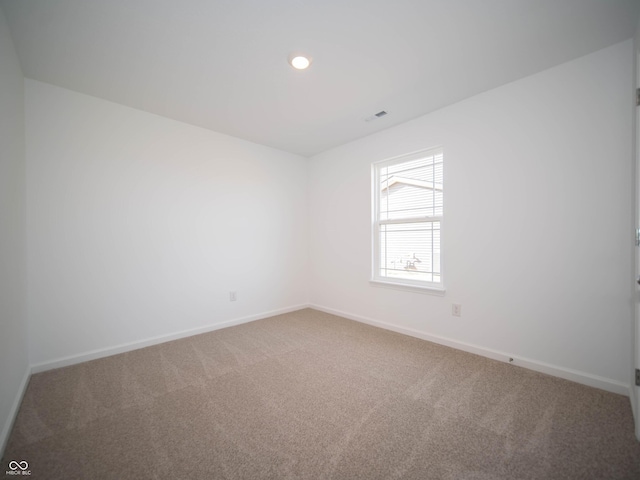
140,226
13,317
536,240
635,337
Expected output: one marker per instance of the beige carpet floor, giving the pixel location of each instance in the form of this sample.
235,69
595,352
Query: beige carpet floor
309,395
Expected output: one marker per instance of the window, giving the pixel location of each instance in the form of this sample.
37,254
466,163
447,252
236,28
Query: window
407,220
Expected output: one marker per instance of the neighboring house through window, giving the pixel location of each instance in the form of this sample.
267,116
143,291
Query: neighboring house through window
408,211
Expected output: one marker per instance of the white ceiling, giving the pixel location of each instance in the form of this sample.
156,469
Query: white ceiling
222,64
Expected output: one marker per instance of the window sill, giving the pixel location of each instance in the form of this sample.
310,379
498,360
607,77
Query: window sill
439,291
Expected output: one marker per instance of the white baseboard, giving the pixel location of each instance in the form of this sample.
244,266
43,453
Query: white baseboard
13,413
127,347
588,379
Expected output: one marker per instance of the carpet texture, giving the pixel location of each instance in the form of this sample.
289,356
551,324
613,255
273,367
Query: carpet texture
309,395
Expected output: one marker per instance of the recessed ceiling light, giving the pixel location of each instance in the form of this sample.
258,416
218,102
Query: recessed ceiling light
299,62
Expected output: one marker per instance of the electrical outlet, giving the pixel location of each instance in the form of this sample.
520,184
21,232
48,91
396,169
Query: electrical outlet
232,296
456,310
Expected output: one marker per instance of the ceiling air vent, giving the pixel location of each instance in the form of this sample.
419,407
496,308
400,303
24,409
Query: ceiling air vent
381,113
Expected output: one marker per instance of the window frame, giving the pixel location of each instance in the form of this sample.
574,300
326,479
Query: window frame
377,279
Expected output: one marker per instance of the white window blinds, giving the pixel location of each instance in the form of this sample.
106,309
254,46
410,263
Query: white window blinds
408,214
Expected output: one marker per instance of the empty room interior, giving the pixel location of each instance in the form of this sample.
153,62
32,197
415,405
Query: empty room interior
319,239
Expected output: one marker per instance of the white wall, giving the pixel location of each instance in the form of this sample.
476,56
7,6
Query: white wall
13,323
139,226
538,199
635,337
